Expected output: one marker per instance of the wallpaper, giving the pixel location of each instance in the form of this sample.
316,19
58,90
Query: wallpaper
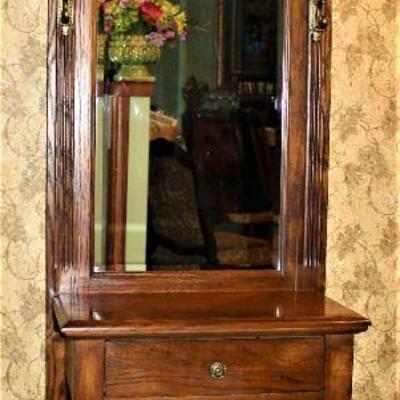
363,216
364,189
22,191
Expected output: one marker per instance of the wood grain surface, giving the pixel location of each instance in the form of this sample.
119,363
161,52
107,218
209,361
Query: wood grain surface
204,314
270,396
338,367
305,110
85,369
118,184
163,329
176,368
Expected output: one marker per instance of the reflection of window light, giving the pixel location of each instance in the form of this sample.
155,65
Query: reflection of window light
136,110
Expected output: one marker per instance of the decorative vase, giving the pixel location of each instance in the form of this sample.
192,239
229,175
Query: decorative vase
134,53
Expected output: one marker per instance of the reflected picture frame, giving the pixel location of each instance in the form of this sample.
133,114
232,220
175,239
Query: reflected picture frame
240,56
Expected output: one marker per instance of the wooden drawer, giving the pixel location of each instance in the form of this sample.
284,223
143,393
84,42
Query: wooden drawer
146,369
273,396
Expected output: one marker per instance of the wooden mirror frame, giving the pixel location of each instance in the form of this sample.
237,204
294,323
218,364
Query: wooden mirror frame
70,165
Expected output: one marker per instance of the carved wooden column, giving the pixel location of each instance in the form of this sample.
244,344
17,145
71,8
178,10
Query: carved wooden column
128,176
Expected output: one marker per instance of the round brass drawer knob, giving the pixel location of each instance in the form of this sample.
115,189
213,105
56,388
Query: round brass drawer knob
217,371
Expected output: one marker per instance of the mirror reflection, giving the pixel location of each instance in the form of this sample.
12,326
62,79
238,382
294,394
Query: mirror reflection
188,135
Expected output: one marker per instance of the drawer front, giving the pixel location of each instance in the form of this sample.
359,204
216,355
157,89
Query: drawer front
145,369
274,396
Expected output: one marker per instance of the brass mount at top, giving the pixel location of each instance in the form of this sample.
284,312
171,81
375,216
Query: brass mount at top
318,19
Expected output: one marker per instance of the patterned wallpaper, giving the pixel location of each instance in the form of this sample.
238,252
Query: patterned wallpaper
364,182
22,191
363,219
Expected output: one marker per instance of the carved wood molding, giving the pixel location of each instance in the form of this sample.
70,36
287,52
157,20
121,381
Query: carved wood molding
60,170
316,195
69,156
60,183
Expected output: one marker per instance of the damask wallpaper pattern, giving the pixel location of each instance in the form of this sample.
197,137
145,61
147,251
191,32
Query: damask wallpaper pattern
22,191
364,185
364,189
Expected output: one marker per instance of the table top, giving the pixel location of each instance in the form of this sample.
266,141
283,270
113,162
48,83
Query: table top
204,314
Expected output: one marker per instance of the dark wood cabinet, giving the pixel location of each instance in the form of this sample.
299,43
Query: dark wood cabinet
208,345
252,334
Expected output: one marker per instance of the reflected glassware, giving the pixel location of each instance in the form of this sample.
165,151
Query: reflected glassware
221,101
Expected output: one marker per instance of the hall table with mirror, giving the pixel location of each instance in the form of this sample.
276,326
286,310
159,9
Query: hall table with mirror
187,187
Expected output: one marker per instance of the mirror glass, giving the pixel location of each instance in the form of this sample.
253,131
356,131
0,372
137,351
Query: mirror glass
188,135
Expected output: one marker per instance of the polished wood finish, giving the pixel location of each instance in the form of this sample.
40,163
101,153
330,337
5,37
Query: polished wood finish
188,281
130,89
108,321
317,162
71,92
85,369
160,344
338,367
56,388
302,267
58,221
71,99
271,396
294,126
118,184
164,368
188,315
84,97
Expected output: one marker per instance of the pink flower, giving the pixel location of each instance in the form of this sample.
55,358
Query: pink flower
184,35
108,27
125,3
157,39
169,35
151,12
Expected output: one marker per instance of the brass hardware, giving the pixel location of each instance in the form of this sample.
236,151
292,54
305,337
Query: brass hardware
66,16
218,371
318,19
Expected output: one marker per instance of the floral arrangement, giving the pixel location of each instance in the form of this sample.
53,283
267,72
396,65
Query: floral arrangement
161,21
